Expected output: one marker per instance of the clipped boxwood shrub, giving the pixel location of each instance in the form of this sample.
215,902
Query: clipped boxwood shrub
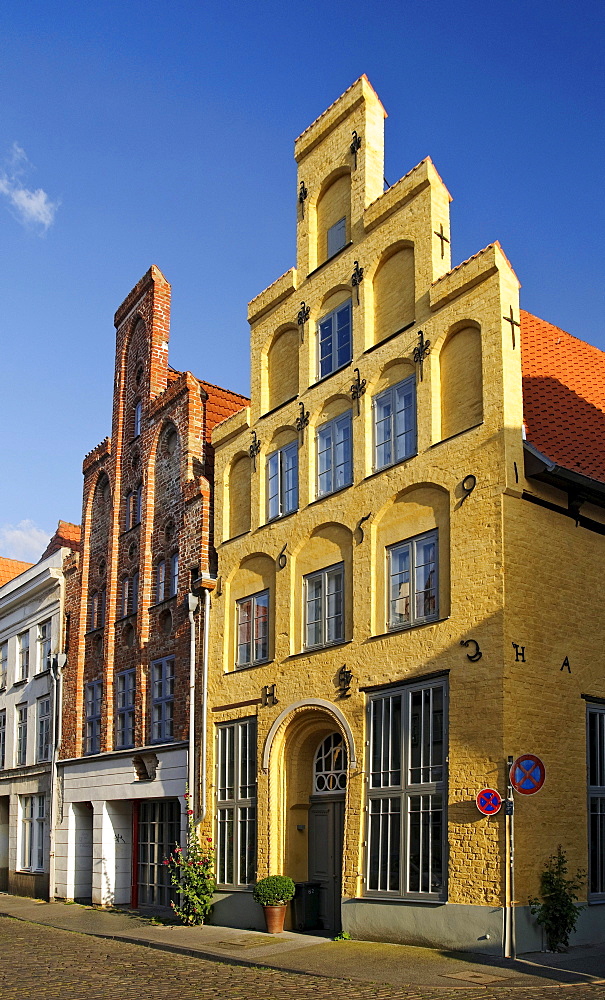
275,890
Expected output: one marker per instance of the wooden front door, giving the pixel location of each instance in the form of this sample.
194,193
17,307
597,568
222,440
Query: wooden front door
326,827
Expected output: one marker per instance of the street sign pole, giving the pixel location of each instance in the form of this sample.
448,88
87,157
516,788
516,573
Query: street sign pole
510,946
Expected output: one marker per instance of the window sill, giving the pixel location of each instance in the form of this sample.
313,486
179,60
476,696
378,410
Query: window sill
328,260
393,465
133,527
233,538
278,407
160,604
326,496
19,684
276,520
324,378
124,618
92,631
406,628
379,897
457,434
319,649
247,666
43,673
391,336
30,871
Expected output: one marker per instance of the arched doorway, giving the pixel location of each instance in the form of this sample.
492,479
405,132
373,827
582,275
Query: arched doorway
326,827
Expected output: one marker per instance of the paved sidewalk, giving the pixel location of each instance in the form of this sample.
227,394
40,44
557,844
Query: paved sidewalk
361,961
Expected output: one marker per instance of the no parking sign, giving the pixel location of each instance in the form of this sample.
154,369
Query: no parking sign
489,801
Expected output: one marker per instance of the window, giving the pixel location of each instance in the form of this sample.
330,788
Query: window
334,340
130,594
282,481
162,709
395,423
43,711
133,504
406,807
596,803
125,693
23,656
412,569
138,504
174,574
94,699
330,766
334,457
138,412
337,236
324,618
96,609
33,822
3,738
236,806
160,581
3,664
21,748
253,629
44,645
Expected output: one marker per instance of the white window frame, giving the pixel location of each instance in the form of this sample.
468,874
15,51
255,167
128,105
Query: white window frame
23,642
337,237
595,745
282,481
2,738
412,547
324,595
21,712
330,357
125,708
407,792
43,728
395,429
44,645
256,625
236,803
3,665
32,833
162,700
334,449
94,706
173,582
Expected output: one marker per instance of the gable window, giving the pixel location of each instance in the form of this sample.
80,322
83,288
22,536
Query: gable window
334,455
43,747
236,805
94,698
337,236
44,645
174,574
395,423
125,694
253,629
2,738
162,708
3,664
32,832
334,340
282,481
138,412
23,656
596,803
160,581
324,607
406,807
412,570
21,747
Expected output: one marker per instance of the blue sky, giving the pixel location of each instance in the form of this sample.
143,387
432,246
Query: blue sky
138,133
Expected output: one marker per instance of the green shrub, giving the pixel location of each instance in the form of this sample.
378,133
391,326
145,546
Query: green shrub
192,873
274,890
558,910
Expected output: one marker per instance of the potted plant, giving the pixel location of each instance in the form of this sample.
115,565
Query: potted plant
274,893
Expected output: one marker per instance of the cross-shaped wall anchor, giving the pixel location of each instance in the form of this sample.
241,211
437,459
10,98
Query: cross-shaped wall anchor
443,239
357,278
513,323
355,145
421,351
301,319
254,449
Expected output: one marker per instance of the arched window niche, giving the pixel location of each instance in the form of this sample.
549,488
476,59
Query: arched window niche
333,217
282,367
238,508
461,380
394,292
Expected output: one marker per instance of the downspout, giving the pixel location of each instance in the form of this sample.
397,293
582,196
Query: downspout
202,813
56,675
192,605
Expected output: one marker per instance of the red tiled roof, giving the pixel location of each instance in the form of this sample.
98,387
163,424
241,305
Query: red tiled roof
10,568
221,403
563,397
67,536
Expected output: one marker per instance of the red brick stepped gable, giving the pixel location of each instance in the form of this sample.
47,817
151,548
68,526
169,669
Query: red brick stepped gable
563,397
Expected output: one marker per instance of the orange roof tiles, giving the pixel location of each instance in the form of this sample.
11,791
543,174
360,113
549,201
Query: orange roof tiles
67,536
10,568
221,403
563,397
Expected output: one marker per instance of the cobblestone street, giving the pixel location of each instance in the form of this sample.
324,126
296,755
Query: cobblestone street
47,963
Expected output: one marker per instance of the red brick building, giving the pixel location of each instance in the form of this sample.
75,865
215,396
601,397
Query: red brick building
136,610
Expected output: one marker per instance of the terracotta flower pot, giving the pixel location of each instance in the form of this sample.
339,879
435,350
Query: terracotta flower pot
274,918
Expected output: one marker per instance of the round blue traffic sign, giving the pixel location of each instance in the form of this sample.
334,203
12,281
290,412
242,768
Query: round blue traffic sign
489,801
527,774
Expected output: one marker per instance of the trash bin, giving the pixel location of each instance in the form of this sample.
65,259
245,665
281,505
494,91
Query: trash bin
306,906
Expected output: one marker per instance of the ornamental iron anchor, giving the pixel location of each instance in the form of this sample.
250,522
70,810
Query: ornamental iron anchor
302,197
355,145
302,421
254,449
357,278
358,388
421,351
301,319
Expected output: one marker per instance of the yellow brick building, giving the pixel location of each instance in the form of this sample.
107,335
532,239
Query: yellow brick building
379,558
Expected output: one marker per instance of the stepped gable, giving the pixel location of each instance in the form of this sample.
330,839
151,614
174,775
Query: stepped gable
563,397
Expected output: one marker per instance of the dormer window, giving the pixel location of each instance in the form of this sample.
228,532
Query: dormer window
337,236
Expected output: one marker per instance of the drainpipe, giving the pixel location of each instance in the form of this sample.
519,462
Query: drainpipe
56,676
192,605
208,586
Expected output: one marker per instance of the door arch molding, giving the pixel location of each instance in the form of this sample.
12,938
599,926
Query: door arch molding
310,703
